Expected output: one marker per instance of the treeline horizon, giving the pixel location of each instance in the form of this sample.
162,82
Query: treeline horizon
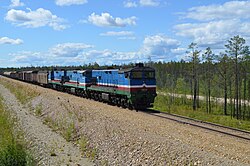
226,75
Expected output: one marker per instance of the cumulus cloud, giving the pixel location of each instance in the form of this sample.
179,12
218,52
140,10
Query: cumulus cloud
108,57
228,10
27,57
212,34
60,54
122,35
70,2
115,33
6,40
33,19
30,58
127,38
215,24
68,49
143,3
106,20
149,3
159,47
16,3
129,4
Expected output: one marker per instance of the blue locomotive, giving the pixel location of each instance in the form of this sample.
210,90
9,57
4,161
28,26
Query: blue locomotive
130,88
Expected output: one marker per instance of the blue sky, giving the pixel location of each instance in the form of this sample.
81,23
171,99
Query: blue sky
74,32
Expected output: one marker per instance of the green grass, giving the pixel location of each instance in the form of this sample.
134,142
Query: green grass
38,109
182,106
23,93
69,131
86,149
12,148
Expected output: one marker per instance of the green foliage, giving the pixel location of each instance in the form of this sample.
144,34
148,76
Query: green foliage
13,155
12,150
86,149
182,106
218,76
38,110
69,132
23,93
83,142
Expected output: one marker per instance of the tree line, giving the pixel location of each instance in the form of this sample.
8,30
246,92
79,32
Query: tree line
224,75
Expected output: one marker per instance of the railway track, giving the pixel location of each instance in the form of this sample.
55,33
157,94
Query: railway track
242,134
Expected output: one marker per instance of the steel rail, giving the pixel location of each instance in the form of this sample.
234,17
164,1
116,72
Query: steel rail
195,123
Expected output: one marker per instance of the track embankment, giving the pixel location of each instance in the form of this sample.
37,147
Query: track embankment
48,147
115,136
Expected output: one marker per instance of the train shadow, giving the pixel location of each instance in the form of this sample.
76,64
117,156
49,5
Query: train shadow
149,110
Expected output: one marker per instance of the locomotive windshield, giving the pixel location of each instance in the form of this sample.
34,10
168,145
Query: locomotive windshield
149,74
136,74
140,75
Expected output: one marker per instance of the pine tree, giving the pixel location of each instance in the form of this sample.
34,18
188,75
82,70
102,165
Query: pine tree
194,55
236,49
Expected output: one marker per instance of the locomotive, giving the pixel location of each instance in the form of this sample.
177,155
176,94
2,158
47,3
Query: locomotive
133,88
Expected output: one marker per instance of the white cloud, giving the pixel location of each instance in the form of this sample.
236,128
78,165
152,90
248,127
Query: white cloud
70,2
34,19
16,3
108,57
129,4
68,49
106,20
159,47
229,10
127,38
216,23
115,33
122,35
215,33
6,40
143,3
61,54
27,57
149,3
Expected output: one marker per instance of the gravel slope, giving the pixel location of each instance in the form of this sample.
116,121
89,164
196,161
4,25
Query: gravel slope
42,140
124,137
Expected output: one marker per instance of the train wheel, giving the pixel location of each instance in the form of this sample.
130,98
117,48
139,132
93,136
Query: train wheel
118,102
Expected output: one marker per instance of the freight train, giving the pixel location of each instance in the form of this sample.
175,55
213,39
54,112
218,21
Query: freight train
133,88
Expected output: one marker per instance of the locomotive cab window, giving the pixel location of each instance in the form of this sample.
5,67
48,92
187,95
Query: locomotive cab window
86,74
136,74
149,74
126,75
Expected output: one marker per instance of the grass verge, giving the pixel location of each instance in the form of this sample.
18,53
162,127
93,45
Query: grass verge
23,93
181,106
12,148
88,151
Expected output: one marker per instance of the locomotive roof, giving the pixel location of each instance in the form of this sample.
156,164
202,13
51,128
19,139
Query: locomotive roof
106,70
77,71
136,69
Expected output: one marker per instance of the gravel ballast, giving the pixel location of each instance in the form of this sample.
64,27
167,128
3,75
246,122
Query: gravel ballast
48,147
123,137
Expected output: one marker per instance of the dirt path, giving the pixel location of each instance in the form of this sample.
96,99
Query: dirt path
123,137
49,147
203,98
